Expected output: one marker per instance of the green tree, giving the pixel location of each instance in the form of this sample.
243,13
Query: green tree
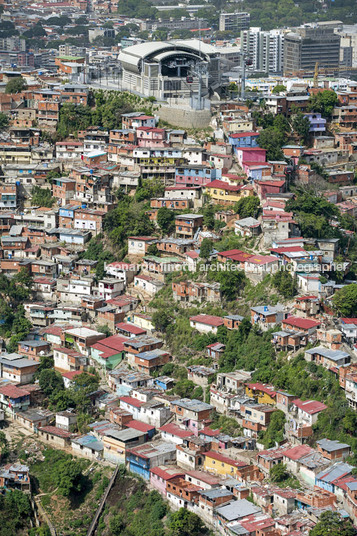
208,216
285,283
161,319
104,328
332,524
73,117
275,430
206,248
166,220
46,362
4,446
185,523
152,250
345,301
50,381
149,188
278,473
323,102
274,134
279,88
132,9
60,21
313,214
247,207
79,392
301,125
36,31
128,219
16,85
117,524
4,121
42,197
272,140
231,281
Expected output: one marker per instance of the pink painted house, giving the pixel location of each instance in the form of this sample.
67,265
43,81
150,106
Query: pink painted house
265,187
151,137
160,475
250,154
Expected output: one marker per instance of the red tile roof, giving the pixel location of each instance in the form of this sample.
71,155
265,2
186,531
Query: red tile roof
310,406
271,183
216,456
151,129
167,474
172,428
138,425
298,452
68,351
105,352
301,323
303,298
130,328
230,252
192,254
56,330
111,345
249,149
142,117
13,392
242,134
254,525
223,185
236,255
263,388
131,401
262,259
142,238
289,249
59,432
205,477
72,374
210,320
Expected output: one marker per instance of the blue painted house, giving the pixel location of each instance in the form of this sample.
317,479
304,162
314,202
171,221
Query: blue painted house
243,139
196,175
329,478
164,382
142,458
68,211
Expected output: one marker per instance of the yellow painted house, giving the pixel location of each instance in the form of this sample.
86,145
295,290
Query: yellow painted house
142,321
15,154
223,193
264,394
116,443
217,464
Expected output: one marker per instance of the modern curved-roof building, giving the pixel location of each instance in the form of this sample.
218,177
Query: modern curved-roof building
169,69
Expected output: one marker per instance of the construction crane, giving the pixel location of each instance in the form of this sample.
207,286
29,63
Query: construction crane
316,74
330,70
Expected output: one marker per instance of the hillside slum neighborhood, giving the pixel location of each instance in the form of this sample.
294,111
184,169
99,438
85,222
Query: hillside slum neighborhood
164,438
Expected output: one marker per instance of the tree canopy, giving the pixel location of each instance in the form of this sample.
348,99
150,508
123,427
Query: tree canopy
186,523
166,220
16,85
332,524
247,207
42,197
345,301
301,126
323,102
313,213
